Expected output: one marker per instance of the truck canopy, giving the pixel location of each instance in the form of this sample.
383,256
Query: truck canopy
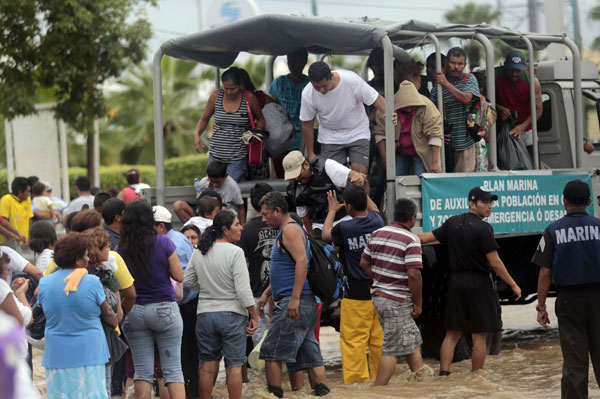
274,34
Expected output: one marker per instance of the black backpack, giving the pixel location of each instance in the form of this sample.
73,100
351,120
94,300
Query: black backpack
326,276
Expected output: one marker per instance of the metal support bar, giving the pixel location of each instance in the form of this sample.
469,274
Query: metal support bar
217,78
269,72
364,70
440,94
159,147
64,160
536,150
577,94
390,136
491,91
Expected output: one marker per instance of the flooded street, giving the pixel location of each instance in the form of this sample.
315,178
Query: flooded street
528,366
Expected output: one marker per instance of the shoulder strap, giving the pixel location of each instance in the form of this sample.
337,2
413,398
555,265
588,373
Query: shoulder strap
466,77
281,246
250,116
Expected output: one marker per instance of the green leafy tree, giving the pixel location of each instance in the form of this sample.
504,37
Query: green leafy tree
472,13
72,47
128,134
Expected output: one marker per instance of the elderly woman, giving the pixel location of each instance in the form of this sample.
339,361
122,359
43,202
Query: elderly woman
152,260
75,350
218,271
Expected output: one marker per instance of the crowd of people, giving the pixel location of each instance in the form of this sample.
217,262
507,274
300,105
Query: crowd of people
126,300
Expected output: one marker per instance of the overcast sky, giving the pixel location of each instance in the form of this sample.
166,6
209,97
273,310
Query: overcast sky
176,17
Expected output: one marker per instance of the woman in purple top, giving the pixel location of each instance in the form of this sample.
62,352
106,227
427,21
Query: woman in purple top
155,317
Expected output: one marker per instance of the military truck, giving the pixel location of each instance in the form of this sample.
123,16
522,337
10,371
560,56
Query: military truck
529,200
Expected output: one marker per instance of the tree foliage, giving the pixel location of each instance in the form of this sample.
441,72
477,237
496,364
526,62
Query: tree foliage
129,129
71,47
472,13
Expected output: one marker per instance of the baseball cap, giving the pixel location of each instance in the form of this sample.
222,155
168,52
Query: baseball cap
292,164
161,214
477,194
515,60
577,192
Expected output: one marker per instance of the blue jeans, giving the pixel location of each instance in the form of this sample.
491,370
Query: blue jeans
222,334
160,322
403,163
235,169
293,341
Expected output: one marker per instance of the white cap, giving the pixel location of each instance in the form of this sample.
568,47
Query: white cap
161,214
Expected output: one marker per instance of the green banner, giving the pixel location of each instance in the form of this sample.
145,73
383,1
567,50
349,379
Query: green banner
526,203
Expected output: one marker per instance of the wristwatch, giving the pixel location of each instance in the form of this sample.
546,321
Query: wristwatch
541,308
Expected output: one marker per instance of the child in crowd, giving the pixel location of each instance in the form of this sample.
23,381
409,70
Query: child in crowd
207,209
219,181
42,204
42,238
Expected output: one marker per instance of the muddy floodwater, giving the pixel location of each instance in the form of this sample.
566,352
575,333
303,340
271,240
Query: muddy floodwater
528,366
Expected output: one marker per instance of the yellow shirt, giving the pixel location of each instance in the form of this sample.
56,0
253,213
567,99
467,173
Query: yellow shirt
18,213
122,273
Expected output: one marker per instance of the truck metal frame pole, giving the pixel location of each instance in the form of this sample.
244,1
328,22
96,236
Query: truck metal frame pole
440,94
536,150
390,137
490,83
269,72
577,94
159,147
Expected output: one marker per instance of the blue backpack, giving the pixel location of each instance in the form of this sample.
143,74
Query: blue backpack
326,276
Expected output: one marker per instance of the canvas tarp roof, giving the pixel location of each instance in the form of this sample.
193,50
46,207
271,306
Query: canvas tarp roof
274,34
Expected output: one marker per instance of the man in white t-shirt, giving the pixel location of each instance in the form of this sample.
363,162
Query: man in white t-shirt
310,182
337,100
83,187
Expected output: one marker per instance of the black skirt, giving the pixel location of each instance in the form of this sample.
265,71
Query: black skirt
472,304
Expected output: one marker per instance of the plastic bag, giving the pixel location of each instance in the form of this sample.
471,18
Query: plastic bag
512,152
482,156
280,128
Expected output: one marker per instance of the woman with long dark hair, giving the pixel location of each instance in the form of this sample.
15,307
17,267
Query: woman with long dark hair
152,260
218,271
230,108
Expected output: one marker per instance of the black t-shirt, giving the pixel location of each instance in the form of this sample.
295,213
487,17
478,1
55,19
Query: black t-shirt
352,236
256,241
469,239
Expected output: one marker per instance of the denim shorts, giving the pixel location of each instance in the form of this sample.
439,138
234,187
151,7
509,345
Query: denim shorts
236,169
155,322
222,334
293,341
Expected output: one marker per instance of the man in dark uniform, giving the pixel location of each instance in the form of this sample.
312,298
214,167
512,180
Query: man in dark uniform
569,251
471,301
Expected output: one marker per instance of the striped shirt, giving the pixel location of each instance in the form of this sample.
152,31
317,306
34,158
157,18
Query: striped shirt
455,111
226,144
391,251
